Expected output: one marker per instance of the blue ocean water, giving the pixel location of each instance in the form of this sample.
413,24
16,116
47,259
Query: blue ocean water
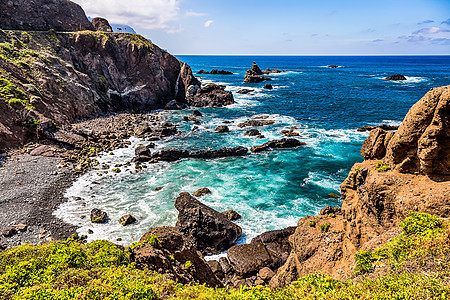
270,190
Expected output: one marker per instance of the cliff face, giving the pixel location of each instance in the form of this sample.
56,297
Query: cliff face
60,15
374,200
49,78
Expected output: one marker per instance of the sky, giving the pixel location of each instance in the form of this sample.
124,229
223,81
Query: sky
285,27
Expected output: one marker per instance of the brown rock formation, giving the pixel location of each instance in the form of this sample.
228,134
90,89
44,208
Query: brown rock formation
211,95
374,202
42,15
101,24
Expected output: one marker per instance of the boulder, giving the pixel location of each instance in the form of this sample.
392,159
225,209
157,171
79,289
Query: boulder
382,126
211,231
68,138
43,15
101,24
9,232
268,86
169,256
252,132
202,192
277,242
330,210
211,95
214,265
266,274
169,155
222,129
396,77
245,91
98,216
255,123
224,152
127,220
175,105
231,215
248,259
41,150
197,113
225,265
142,153
333,66
283,143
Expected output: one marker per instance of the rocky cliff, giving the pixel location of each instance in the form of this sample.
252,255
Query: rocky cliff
406,171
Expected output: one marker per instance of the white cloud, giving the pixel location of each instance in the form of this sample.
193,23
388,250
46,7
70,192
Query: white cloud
191,13
435,35
208,23
145,14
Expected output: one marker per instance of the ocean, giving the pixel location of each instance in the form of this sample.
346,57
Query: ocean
271,190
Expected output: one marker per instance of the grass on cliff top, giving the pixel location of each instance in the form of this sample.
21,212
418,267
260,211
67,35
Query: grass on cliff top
103,270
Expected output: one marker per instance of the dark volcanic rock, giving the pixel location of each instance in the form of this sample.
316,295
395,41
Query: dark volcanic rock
255,70
248,259
222,128
175,244
396,77
268,86
101,24
142,153
98,216
277,242
211,231
244,91
254,75
382,126
283,143
211,95
197,113
175,105
202,192
231,215
169,155
42,15
127,220
253,132
215,72
224,152
255,123
333,66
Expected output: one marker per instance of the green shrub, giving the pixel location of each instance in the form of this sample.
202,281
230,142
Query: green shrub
325,227
312,223
382,167
364,260
421,223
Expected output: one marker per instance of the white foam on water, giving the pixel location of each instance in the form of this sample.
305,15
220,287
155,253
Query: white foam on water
325,181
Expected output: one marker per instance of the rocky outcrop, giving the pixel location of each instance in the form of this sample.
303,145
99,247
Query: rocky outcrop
421,142
253,75
374,200
42,15
382,126
174,255
101,24
255,123
211,95
396,77
98,216
277,144
211,231
268,86
222,129
83,74
215,72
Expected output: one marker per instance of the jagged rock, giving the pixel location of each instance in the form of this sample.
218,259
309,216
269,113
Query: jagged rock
268,86
101,24
169,155
210,230
253,75
43,15
277,242
215,72
330,210
142,153
202,192
197,113
175,105
216,268
255,69
382,126
255,123
8,232
283,143
169,257
127,220
211,95
248,259
68,138
231,215
41,150
245,91
224,152
253,132
396,77
98,216
374,147
225,265
222,129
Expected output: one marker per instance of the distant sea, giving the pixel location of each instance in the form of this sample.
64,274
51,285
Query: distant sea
270,190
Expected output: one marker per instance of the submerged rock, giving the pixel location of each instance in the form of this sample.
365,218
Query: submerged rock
396,77
245,91
211,230
222,129
268,86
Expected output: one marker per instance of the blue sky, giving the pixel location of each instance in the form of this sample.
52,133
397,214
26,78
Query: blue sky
321,27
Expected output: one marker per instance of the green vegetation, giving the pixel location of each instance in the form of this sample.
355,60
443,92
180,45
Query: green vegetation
325,227
12,94
116,170
151,239
312,223
382,167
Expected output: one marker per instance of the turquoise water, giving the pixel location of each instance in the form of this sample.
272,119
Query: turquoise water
270,190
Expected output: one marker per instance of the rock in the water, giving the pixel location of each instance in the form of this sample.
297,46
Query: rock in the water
283,143
197,113
255,123
142,153
98,216
224,152
253,75
211,95
334,195
255,69
211,231
253,132
215,72
169,154
268,86
101,24
333,66
244,91
127,220
175,105
202,192
169,255
232,215
396,77
382,126
222,129
43,15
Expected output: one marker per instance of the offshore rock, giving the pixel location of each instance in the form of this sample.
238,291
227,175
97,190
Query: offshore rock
231,215
215,72
396,77
127,220
202,192
255,123
283,143
211,95
174,244
98,216
43,15
101,24
382,126
224,152
211,231
222,129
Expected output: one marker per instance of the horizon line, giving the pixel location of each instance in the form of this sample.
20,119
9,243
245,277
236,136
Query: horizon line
313,54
